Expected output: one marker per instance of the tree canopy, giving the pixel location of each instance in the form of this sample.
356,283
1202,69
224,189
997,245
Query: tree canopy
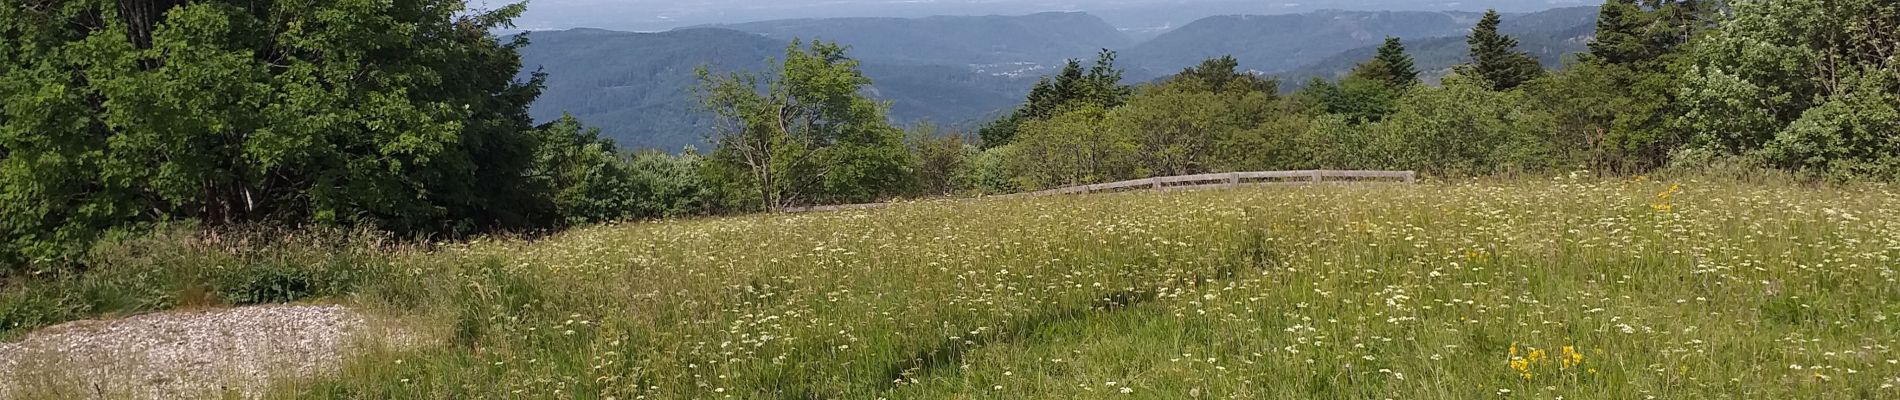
401,115
1495,58
1392,66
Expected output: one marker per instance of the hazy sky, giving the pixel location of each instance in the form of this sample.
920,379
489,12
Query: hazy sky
1128,14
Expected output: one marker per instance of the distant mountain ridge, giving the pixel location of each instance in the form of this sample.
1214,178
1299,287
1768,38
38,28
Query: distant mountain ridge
1274,43
1041,38
639,87
1548,35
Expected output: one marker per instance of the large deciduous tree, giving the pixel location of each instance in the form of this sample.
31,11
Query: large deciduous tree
405,115
810,137
1807,85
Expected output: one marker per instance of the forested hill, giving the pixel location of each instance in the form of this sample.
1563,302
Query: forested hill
964,71
1548,35
1273,43
956,40
639,87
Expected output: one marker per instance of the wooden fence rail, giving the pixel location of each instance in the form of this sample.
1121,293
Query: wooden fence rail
1225,180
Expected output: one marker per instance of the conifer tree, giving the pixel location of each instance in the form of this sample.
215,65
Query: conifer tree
1392,66
1495,58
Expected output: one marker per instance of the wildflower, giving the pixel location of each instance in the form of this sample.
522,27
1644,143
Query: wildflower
1570,357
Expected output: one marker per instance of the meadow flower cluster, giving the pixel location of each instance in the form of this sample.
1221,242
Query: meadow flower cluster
1590,289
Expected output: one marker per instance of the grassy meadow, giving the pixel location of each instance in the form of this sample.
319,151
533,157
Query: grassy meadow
1572,289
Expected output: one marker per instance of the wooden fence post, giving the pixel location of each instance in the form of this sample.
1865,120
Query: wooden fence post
1233,180
1316,176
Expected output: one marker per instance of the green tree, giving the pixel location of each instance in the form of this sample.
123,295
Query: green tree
400,115
1073,148
811,137
1391,66
1222,75
1621,98
1463,129
666,185
1801,84
1622,33
1071,88
587,176
1495,59
943,160
1174,131
1357,99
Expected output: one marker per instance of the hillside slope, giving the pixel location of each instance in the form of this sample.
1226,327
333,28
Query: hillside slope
639,87
1548,35
955,40
1274,43
1571,288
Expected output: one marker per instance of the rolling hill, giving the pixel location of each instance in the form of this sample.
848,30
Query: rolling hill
1549,35
960,71
1043,38
638,87
1274,43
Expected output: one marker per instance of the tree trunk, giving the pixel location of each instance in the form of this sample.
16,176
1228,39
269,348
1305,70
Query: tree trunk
142,16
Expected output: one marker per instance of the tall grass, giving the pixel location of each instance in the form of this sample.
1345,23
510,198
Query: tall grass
1580,289
182,267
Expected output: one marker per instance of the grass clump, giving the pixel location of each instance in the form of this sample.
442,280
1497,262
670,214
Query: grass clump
180,267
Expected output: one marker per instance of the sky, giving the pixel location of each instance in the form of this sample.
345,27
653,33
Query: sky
656,15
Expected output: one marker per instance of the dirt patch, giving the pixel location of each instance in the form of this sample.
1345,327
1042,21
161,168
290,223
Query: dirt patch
189,354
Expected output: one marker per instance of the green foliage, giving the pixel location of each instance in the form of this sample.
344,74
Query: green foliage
1069,89
585,173
1853,136
1222,75
1359,100
811,137
1495,58
943,160
1806,85
400,115
667,185
1392,66
1463,129
1075,147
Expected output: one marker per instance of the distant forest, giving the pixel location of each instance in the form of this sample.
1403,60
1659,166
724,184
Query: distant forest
962,72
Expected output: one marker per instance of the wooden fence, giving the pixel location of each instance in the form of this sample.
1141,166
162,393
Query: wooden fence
1227,180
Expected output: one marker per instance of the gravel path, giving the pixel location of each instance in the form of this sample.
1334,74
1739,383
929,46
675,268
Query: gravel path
187,354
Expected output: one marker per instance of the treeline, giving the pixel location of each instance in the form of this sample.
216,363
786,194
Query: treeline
1804,86
410,117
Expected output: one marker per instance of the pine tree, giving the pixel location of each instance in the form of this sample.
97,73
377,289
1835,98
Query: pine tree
1392,66
1100,85
1620,37
1494,56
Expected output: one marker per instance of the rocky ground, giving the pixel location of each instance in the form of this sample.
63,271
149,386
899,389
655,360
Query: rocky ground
185,354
